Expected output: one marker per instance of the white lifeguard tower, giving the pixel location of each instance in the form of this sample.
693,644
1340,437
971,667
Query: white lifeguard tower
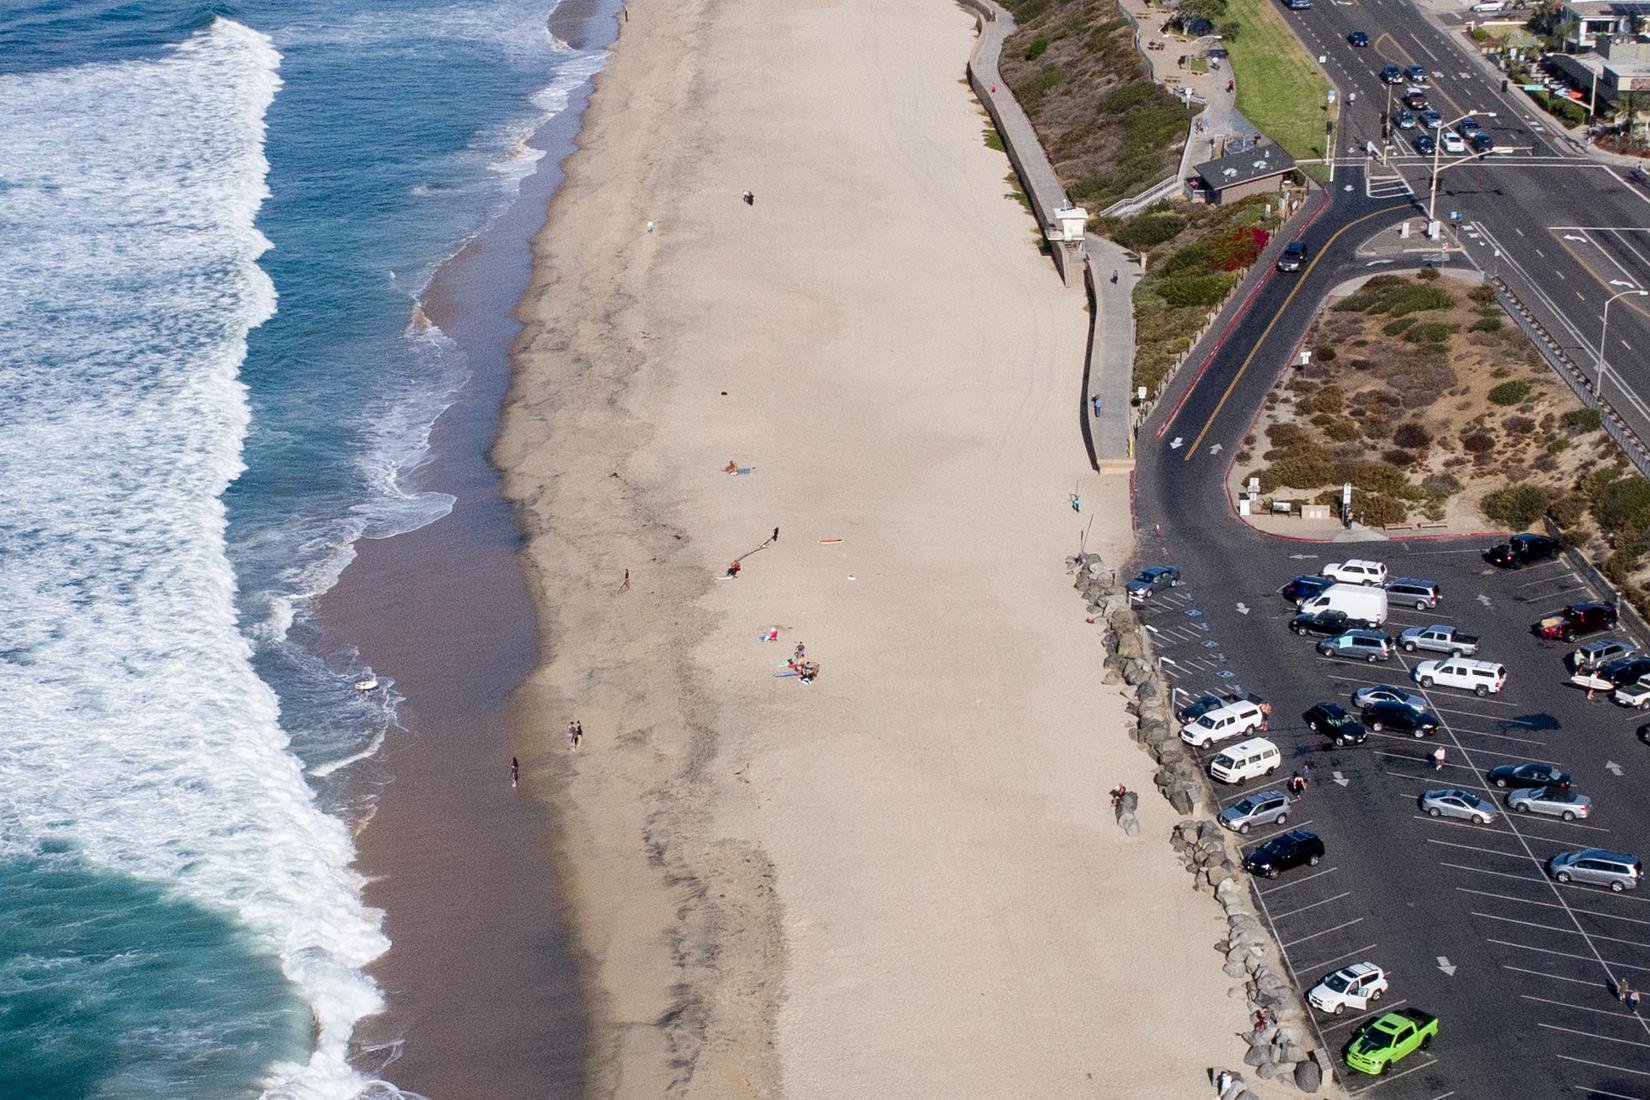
1067,232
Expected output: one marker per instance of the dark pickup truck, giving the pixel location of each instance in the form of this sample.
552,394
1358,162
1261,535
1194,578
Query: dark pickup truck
1330,622
1576,620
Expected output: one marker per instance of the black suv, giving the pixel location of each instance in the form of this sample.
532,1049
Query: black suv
1294,256
1335,723
1399,718
1292,849
1328,622
1522,550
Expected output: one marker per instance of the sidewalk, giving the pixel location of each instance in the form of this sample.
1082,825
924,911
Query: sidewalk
1110,373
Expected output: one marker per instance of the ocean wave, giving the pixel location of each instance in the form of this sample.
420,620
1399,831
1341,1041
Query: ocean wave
137,730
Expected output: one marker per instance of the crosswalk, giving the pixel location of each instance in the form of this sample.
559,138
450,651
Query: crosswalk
1387,187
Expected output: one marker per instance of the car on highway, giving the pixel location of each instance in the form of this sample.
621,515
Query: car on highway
1438,638
1405,120
1452,143
1431,119
1293,257
1295,848
1527,775
1356,571
1399,718
1522,550
1468,127
1305,587
1327,622
1636,695
1415,99
1416,74
1260,808
1356,987
1598,867
1592,655
1564,802
1389,1038
1479,677
1414,592
1577,620
1358,645
1481,143
1619,673
1358,40
1335,723
1387,693
1425,144
1458,804
1391,74
1152,580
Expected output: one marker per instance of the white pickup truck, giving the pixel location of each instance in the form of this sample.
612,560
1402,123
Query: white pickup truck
1439,639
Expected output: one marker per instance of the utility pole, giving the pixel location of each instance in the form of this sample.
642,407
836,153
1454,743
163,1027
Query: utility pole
1604,332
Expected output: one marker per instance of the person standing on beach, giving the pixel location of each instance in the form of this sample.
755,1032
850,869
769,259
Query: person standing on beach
515,771
578,735
573,735
750,199
775,535
625,587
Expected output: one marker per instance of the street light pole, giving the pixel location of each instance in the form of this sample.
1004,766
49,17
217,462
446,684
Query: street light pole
1604,331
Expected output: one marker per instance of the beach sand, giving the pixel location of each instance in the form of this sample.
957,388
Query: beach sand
902,880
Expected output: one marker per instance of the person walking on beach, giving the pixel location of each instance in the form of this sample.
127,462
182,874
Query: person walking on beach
575,734
1438,759
750,199
515,771
775,535
625,587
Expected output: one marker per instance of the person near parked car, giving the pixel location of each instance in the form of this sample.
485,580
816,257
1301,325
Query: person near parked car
1438,759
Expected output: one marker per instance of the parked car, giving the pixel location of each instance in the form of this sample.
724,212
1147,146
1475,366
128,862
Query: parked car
1489,7
1527,775
1387,693
1245,760
1335,723
1224,723
1356,987
1281,853
1416,74
1598,867
1405,120
1576,620
1481,143
1564,802
1391,74
1389,1038
1522,550
1425,144
1636,694
1438,639
1152,580
1361,601
1621,672
1356,571
1479,677
1363,645
1592,655
1414,592
1260,808
1399,718
1327,623
1452,143
1305,587
1358,40
1459,804
1293,257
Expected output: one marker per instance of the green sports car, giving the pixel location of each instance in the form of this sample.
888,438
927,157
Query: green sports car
1389,1038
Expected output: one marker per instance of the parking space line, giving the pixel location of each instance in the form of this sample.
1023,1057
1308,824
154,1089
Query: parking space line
1590,1035
1501,736
1564,954
1261,838
1386,1006
1552,905
1578,1008
1314,905
1605,1065
1592,1092
1497,874
1562,931
1487,851
1325,932
1389,1078
1297,881
1556,977
1569,573
1427,760
1359,952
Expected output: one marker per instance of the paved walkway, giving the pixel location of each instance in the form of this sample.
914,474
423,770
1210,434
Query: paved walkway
1111,355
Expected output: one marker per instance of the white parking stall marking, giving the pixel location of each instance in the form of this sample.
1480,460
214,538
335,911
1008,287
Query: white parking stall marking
1561,931
1496,874
1590,1035
1386,1006
1578,1008
1261,838
1564,954
1553,905
1501,737
1314,905
1357,953
1592,1092
1391,1077
1525,856
1605,1065
1296,882
1589,983
1325,932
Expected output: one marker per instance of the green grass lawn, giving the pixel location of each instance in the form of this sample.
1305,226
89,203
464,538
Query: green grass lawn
1279,87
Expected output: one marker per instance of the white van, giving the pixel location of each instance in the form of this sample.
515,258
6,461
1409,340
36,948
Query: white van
1246,760
1223,723
1357,600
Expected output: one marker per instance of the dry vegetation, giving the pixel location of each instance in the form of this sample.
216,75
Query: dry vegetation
1423,395
1108,129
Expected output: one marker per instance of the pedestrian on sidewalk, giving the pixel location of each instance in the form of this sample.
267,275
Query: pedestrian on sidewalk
1114,276
1438,759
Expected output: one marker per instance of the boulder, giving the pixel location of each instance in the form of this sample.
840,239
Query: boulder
1135,671
1110,676
1255,1057
1131,825
1233,968
1308,1076
1266,1070
1148,691
1181,799
1128,645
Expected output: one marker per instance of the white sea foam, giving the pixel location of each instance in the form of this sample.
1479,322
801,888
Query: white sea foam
134,726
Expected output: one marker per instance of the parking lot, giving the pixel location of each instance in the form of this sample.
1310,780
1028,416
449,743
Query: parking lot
1463,917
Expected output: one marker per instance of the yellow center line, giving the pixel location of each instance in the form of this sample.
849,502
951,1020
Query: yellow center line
1276,317
1408,59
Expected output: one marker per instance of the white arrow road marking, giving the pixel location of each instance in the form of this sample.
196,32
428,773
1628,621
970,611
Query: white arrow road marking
1446,966
1483,599
1174,444
1304,557
1612,767
1242,608
1339,778
1374,263
1215,449
1574,237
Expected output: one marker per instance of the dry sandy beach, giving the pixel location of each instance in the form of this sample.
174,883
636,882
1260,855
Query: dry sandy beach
901,880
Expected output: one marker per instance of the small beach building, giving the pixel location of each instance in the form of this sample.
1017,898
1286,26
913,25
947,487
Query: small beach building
1238,175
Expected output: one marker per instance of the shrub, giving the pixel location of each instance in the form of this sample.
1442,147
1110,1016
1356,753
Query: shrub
1297,472
1483,294
1342,431
1394,456
1623,505
1411,435
1427,274
1440,485
1429,332
1194,257
1478,442
1378,477
1239,248
1518,425
1510,393
1394,327
1035,50
1148,229
1200,291
1486,324
1330,399
1568,511
1516,506
1582,421
1434,508
1324,353
1378,509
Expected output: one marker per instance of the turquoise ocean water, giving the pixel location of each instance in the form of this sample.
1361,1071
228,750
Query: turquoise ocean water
216,221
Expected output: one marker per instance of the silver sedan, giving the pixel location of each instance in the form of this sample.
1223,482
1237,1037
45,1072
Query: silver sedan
1461,804
1552,801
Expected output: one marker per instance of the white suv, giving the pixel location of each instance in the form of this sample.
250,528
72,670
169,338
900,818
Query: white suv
1354,986
1478,677
1356,571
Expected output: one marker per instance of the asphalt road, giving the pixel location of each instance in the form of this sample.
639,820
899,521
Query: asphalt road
1566,232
